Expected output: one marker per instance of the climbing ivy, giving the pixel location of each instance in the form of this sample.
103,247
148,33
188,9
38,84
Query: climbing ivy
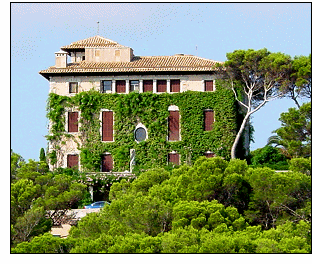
152,111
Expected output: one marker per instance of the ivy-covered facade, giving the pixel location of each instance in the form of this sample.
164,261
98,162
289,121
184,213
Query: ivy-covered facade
112,111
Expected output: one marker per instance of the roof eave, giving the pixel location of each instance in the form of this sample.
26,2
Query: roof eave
47,75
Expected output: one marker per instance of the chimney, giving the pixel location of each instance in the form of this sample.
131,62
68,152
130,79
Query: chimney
61,59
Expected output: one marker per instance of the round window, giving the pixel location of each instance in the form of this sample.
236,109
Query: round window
140,134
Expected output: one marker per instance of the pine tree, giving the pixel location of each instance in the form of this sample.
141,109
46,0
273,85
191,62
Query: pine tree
42,156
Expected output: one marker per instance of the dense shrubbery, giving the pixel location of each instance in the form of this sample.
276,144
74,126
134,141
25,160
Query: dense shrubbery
39,198
270,157
214,206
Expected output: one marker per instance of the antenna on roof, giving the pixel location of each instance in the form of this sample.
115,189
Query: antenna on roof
98,31
196,50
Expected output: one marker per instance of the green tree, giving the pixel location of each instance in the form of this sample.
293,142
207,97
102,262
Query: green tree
295,133
269,156
181,240
300,79
190,210
42,156
40,199
277,197
208,215
16,163
256,77
45,243
300,165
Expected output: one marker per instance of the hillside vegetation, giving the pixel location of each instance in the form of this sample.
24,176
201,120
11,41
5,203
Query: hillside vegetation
214,206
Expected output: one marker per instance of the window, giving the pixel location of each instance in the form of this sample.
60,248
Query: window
174,126
208,86
140,134
134,86
73,87
120,86
208,120
147,86
174,86
106,86
97,53
72,122
107,163
174,158
209,154
161,86
73,161
117,53
107,126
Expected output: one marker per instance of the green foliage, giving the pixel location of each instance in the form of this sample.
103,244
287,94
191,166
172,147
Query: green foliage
148,179
295,133
301,165
277,194
45,243
300,79
208,215
181,240
42,156
152,111
189,210
36,194
269,156
16,163
256,77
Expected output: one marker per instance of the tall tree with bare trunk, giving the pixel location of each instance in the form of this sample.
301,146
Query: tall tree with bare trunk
256,78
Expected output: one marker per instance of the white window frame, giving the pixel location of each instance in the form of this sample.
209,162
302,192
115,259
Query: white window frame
101,124
136,87
213,85
140,125
174,108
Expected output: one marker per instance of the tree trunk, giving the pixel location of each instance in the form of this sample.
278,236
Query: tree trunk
238,136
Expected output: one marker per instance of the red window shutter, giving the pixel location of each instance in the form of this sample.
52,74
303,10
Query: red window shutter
209,86
107,126
174,158
147,85
175,86
161,86
107,163
174,126
72,121
72,161
209,155
120,86
208,120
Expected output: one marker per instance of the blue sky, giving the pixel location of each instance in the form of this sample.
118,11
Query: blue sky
208,30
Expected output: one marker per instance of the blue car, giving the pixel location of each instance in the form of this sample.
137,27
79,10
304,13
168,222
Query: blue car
99,204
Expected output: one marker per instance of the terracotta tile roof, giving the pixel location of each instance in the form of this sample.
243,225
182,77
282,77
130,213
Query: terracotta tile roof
93,42
139,64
